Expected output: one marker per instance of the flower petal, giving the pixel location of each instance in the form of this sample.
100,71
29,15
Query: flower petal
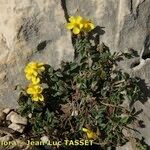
72,19
34,73
76,30
35,98
28,76
41,98
92,26
79,19
35,80
30,91
70,26
84,129
39,89
42,68
80,25
91,135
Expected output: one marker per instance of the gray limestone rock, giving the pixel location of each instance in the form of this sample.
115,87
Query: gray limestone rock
16,127
29,30
15,118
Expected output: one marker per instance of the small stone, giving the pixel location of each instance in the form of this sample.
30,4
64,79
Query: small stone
21,144
5,138
74,113
44,138
15,118
9,115
30,115
16,127
7,111
128,146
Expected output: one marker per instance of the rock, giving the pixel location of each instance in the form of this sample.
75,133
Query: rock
16,127
5,138
15,118
127,146
124,24
37,32
30,30
44,138
143,117
7,111
30,115
143,106
74,113
21,144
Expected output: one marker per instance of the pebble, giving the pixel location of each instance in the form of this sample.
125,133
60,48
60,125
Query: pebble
7,111
5,138
44,138
16,127
17,119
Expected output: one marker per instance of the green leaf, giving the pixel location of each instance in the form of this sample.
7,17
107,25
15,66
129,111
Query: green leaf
54,78
73,66
124,120
59,74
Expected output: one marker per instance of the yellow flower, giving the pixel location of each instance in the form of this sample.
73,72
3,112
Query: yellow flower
78,24
35,92
38,97
75,24
90,134
34,89
32,70
34,67
87,25
35,80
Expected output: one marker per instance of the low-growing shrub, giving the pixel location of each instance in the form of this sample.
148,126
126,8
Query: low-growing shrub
83,99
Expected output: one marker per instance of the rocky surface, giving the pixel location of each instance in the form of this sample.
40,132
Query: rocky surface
29,30
35,30
12,127
124,24
15,118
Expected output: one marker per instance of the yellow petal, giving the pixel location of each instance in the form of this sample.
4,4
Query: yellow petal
91,135
26,69
92,26
78,19
80,25
72,19
39,89
40,64
76,30
34,73
42,68
35,98
28,76
84,130
30,91
41,98
70,26
35,80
